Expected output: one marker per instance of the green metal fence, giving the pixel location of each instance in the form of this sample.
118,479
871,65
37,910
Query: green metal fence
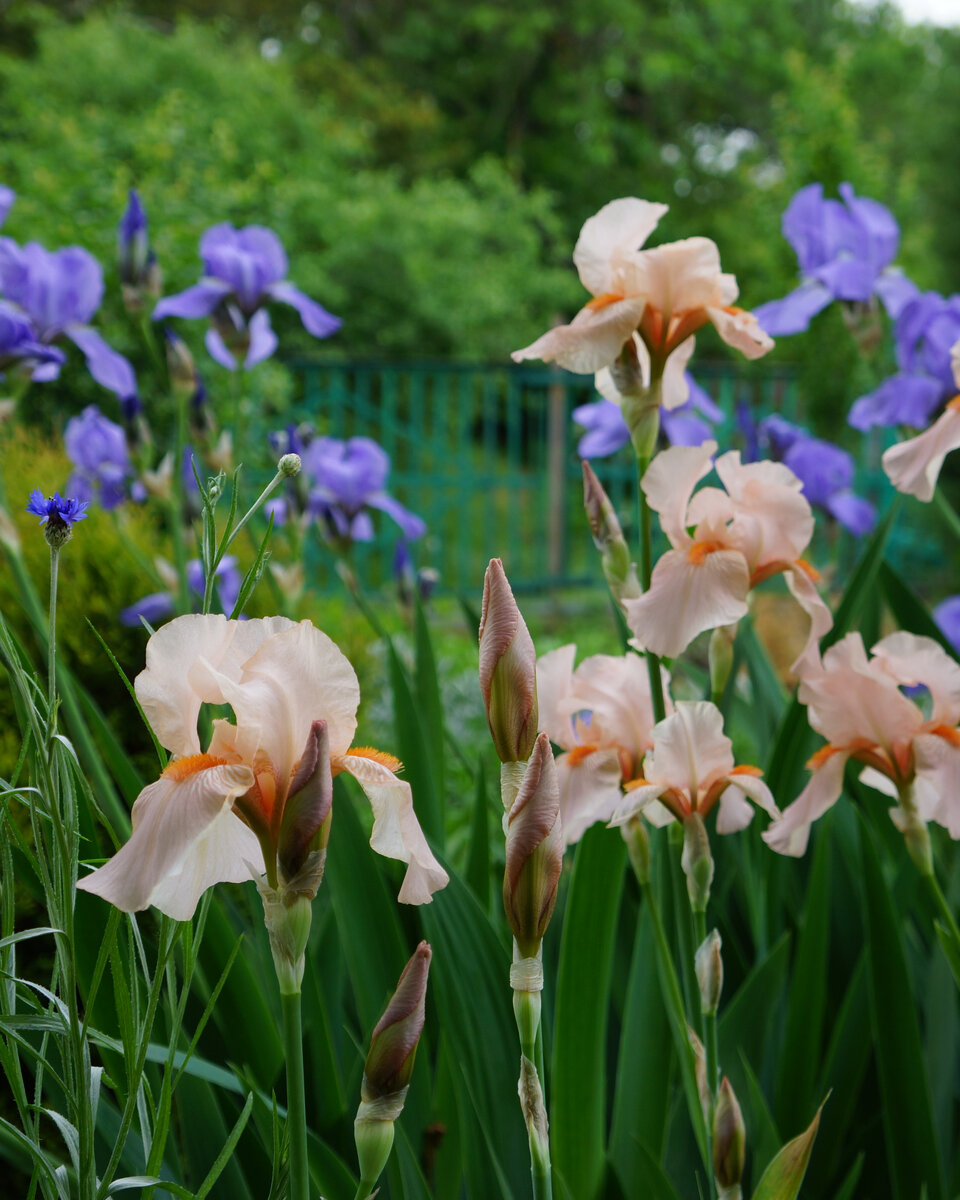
487,456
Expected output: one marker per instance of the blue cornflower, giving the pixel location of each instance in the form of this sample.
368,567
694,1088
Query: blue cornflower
57,514
243,269
844,251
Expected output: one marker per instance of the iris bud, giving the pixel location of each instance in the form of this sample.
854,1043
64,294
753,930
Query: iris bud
709,966
534,851
620,572
729,1139
697,861
508,669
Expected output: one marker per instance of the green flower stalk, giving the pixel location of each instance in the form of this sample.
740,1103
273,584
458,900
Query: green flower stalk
388,1069
534,858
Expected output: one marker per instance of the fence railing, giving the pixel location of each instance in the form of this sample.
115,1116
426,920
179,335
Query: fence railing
487,456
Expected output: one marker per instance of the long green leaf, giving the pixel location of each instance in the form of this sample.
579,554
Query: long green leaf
907,1108
908,609
430,707
477,873
579,1086
414,748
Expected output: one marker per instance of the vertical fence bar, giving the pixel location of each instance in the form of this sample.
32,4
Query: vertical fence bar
556,476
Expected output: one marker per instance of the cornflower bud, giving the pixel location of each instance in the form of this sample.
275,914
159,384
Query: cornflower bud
697,861
289,465
508,669
729,1141
709,966
534,851
620,572
389,1066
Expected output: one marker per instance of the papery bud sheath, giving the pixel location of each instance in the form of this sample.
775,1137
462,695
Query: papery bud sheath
508,669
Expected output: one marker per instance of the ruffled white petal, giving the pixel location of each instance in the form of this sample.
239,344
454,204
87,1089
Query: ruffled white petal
690,750
773,521
914,466
790,834
609,238
741,330
185,839
396,830
669,482
638,800
938,775
756,790
589,791
804,591
554,681
687,597
680,277
296,677
735,812
912,661
591,341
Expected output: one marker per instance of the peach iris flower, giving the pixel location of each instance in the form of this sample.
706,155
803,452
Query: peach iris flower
857,704
690,768
666,293
758,526
213,814
601,715
914,466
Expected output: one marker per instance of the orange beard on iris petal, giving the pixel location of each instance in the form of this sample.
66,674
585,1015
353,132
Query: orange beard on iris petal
183,768
700,550
378,756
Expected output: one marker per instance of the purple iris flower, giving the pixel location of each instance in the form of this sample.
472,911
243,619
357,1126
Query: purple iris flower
947,616
7,197
348,478
57,510
926,329
58,292
688,425
243,269
825,471
159,605
20,350
843,250
98,450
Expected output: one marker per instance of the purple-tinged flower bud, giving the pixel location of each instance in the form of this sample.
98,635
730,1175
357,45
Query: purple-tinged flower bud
389,1066
729,1138
697,861
620,572
139,273
534,851
700,1073
709,966
508,669
305,825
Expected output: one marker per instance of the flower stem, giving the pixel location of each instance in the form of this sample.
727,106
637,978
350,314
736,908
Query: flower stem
947,511
296,1100
177,505
709,1019
52,645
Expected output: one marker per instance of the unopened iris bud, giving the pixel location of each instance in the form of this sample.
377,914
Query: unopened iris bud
620,572
697,861
389,1066
638,848
534,851
508,669
306,813
729,1140
139,273
709,965
289,465
287,915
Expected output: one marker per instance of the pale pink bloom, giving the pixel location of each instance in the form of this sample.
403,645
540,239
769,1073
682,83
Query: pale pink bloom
758,526
914,466
857,704
601,714
667,293
691,767
213,814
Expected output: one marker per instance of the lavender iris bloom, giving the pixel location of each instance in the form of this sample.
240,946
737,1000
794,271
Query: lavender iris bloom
243,269
947,616
825,471
684,426
19,348
348,478
159,605
926,329
843,250
98,450
58,292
